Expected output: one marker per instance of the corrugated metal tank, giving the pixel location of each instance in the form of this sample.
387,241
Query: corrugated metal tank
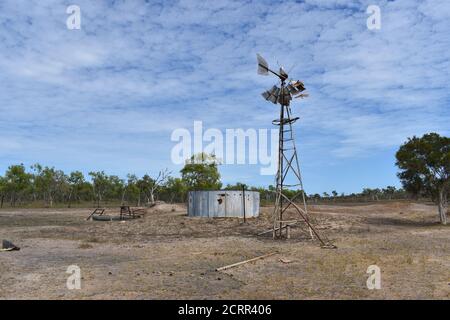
223,204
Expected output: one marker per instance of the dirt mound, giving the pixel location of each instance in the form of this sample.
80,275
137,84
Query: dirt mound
162,207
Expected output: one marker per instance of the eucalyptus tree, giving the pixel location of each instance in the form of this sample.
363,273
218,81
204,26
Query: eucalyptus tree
76,182
201,172
2,191
100,184
16,181
149,186
176,189
115,188
50,183
424,165
131,191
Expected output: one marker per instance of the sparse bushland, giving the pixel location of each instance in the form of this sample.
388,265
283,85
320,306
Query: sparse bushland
424,164
48,187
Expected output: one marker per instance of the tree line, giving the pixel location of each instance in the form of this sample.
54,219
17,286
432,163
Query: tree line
424,165
267,195
47,185
19,186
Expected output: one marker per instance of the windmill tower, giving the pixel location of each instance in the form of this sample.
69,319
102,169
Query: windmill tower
288,175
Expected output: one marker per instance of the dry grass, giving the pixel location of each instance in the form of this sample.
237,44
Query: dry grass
169,255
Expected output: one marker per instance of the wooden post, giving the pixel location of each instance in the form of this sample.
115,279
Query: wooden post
243,202
274,232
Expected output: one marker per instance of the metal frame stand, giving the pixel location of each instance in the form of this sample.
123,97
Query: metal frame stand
288,163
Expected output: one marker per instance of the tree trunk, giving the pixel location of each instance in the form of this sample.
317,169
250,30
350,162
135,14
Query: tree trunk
152,197
98,200
13,200
442,205
69,199
123,197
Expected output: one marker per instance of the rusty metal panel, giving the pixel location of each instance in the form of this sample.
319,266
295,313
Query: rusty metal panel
234,204
223,204
190,204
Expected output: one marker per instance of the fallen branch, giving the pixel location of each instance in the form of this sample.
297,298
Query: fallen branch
245,261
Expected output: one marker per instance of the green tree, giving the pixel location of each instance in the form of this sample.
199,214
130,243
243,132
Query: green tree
115,188
76,182
2,191
335,194
236,186
176,189
368,193
201,173
131,190
49,182
16,181
149,186
389,192
316,197
424,165
100,185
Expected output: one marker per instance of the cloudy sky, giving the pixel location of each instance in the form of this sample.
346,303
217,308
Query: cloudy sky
108,96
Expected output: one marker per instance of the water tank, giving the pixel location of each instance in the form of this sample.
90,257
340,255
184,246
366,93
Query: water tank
223,204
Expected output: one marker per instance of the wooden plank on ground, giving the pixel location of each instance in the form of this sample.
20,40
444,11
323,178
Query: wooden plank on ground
245,261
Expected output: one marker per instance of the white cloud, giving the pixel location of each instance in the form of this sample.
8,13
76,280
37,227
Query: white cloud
137,70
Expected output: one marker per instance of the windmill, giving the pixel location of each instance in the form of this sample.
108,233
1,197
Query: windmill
288,163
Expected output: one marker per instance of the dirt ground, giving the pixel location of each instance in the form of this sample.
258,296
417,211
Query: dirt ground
167,255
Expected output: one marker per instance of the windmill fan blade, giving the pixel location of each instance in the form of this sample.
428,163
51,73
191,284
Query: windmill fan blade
302,95
263,66
298,85
278,95
272,94
292,89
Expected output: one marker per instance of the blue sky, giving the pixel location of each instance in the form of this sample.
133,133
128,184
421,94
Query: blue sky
108,96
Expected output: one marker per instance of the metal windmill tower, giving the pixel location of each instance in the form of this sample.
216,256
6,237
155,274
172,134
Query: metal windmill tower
288,163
